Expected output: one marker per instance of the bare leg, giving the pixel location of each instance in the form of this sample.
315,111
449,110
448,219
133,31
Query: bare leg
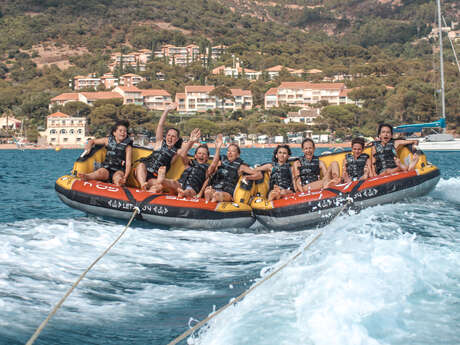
157,186
209,193
117,178
187,193
141,176
413,162
100,174
332,175
274,194
312,186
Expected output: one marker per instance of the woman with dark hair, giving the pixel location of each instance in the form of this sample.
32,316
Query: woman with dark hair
196,171
308,169
117,163
229,170
164,153
280,173
384,152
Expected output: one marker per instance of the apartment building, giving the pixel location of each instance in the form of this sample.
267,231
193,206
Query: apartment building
197,98
9,122
156,99
183,56
302,94
130,94
63,98
237,72
93,82
130,79
136,60
307,116
91,97
63,129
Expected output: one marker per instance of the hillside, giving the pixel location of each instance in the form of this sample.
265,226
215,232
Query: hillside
44,43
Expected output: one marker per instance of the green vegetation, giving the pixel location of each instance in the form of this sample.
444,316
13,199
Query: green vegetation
378,43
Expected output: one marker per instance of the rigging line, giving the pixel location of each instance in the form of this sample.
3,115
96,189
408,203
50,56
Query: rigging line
260,282
452,45
58,305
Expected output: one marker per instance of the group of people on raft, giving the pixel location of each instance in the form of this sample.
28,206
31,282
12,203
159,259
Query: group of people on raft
216,181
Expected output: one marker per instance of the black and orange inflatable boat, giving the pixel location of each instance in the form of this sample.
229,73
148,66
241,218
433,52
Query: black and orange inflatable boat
300,210
295,212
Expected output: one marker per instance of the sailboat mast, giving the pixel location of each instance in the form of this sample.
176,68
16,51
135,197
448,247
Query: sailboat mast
443,100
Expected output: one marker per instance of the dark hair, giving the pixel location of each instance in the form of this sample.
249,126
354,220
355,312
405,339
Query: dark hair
358,140
284,146
178,143
119,123
309,140
202,146
385,125
237,147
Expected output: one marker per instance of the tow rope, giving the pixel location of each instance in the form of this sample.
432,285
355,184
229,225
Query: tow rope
245,293
58,305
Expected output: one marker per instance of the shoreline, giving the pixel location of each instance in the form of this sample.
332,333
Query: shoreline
210,145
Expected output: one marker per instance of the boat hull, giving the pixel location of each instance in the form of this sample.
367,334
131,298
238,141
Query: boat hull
304,210
108,200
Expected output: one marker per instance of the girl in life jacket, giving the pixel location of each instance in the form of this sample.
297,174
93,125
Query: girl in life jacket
280,173
164,153
225,179
190,183
384,153
307,170
356,165
117,163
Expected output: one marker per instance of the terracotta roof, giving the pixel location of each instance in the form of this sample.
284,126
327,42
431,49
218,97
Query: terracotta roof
155,92
218,70
276,68
199,88
247,70
327,86
101,95
240,92
345,92
306,85
67,96
272,91
295,85
180,95
130,75
129,88
58,114
192,46
314,70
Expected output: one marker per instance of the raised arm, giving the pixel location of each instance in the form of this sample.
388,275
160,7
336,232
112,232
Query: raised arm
253,174
195,136
401,142
161,123
92,142
216,159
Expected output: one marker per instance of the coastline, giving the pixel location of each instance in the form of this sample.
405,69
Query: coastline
211,145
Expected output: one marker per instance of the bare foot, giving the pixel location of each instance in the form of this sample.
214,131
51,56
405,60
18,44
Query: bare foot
156,188
144,185
161,175
180,192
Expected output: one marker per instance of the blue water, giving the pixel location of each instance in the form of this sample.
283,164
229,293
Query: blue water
388,275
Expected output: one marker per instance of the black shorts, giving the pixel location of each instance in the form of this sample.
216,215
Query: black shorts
151,175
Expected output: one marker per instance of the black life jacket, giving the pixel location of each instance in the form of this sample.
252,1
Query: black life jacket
309,171
116,153
355,167
227,176
194,176
281,176
159,158
384,156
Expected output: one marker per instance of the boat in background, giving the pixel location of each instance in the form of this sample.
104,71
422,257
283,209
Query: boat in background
438,141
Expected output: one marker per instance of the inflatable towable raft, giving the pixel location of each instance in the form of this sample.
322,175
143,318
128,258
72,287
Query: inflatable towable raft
109,200
295,212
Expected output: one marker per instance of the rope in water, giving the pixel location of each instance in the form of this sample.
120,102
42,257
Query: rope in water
240,297
58,305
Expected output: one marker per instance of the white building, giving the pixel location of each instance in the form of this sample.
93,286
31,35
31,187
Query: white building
62,129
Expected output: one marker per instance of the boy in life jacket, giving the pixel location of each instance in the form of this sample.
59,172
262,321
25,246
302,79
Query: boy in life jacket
117,163
164,153
356,165
229,170
307,170
384,153
280,173
196,171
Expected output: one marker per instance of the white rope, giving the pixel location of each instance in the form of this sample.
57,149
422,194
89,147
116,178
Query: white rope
260,282
58,305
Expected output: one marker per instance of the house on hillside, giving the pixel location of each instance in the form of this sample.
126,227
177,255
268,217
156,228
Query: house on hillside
237,72
274,72
63,129
306,116
130,79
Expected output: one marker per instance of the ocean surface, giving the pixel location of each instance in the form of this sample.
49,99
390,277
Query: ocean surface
387,275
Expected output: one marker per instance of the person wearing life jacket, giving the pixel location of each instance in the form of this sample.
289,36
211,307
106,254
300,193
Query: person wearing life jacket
225,179
196,171
280,173
117,164
384,152
307,170
356,165
164,153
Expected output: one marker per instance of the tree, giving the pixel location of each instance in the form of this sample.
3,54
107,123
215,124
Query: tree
207,127
76,108
222,93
